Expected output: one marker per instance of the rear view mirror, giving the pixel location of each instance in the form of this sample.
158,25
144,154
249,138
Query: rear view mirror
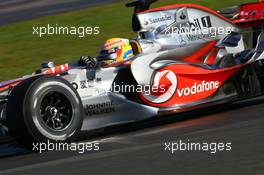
47,64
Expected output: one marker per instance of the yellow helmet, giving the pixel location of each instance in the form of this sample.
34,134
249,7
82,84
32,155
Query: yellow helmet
116,50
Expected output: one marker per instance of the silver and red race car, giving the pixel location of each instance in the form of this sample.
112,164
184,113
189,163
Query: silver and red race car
186,57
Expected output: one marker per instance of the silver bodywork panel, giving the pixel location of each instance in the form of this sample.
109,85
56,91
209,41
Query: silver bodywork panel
103,108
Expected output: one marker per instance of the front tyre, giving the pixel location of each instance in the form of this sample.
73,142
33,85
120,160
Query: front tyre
44,108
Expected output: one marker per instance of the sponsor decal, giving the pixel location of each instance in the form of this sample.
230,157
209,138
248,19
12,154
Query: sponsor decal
199,23
115,42
181,40
198,88
183,16
168,80
166,83
145,23
193,30
190,26
99,108
157,20
198,37
146,45
85,84
194,84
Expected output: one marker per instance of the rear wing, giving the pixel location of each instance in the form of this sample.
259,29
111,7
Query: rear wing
245,15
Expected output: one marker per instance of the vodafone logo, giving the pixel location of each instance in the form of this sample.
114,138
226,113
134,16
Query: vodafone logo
204,86
165,84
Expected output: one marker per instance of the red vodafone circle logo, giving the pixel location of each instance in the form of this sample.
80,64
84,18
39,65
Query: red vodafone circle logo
165,83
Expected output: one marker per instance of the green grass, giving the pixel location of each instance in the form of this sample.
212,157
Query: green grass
21,52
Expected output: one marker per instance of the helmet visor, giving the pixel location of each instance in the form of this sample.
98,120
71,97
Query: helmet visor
110,54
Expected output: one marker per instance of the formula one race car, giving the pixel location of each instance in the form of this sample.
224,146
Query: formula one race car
186,57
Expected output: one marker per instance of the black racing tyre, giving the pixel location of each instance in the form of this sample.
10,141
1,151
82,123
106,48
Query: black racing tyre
44,108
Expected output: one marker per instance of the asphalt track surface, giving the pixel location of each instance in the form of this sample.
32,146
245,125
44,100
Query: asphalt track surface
139,149
18,10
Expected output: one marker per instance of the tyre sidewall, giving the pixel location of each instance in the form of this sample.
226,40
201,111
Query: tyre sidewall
31,111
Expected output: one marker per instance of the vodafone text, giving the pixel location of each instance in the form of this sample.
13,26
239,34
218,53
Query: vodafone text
198,88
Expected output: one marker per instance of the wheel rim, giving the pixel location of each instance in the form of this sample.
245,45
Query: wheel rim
56,111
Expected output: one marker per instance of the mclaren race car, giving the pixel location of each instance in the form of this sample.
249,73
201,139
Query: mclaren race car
185,57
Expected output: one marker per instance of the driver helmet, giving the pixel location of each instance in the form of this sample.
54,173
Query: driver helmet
114,51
